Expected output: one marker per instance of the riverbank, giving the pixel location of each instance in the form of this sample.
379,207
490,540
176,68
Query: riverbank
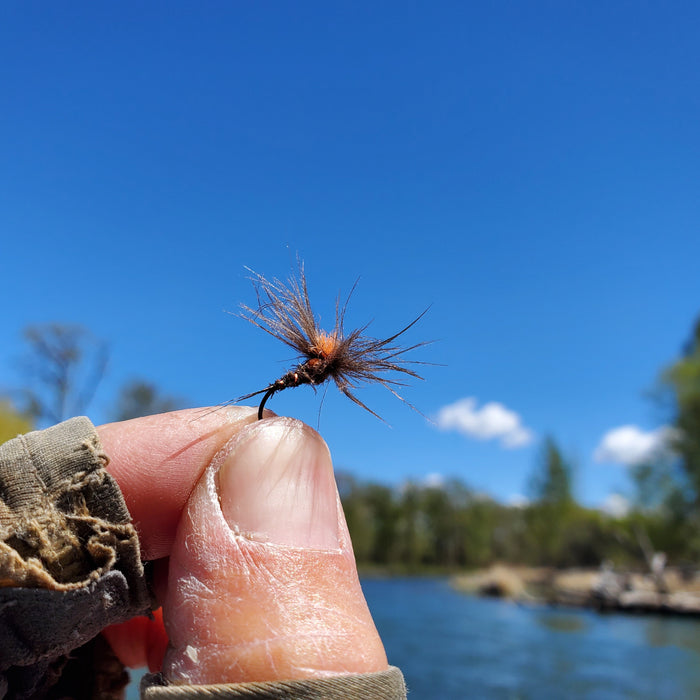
590,588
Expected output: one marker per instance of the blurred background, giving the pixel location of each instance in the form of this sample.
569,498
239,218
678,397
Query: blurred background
527,171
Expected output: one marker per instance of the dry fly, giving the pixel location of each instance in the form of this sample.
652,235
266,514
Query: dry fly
349,359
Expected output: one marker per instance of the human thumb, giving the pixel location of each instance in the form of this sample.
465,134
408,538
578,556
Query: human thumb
262,583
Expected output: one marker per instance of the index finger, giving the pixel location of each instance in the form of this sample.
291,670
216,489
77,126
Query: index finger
157,460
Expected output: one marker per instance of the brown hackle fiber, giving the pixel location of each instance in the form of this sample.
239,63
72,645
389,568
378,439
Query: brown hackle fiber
349,359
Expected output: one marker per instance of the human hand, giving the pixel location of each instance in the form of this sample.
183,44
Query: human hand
253,561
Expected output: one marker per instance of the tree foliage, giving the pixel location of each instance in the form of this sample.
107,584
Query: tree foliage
64,366
418,528
143,398
552,481
548,516
683,380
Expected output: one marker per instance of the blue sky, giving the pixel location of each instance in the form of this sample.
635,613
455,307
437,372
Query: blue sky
529,170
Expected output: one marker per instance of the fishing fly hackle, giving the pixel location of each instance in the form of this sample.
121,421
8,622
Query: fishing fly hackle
349,359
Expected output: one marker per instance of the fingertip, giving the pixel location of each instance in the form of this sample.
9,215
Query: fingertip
251,600
157,460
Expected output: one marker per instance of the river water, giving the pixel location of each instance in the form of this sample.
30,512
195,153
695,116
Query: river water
454,646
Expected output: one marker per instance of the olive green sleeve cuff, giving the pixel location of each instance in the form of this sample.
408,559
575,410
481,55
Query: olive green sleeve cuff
383,685
69,556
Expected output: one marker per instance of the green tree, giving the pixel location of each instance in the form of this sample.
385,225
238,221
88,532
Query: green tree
358,515
479,523
384,512
142,398
552,481
373,517
412,527
444,542
668,486
683,381
64,365
550,513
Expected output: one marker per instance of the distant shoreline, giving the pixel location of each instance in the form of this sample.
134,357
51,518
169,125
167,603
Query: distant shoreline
602,590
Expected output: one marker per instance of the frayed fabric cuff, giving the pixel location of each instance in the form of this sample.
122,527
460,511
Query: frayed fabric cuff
69,555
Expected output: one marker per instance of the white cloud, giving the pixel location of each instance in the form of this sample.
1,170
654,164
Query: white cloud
629,445
492,421
616,505
434,480
517,500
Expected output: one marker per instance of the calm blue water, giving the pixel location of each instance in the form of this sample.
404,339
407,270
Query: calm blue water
454,646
